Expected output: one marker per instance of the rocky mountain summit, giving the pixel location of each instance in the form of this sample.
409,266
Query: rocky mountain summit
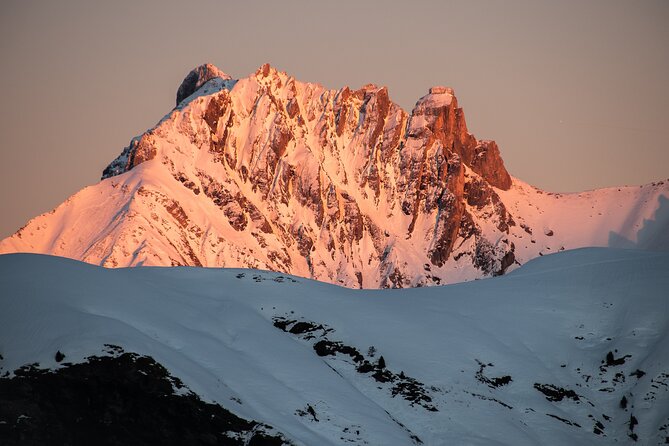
342,186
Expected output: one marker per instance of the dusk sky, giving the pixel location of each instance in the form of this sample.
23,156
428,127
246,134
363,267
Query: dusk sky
574,92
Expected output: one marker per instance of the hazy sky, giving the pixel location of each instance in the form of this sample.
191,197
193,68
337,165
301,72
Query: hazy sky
576,93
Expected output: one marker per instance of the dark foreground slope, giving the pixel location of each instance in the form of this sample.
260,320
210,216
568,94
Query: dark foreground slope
119,399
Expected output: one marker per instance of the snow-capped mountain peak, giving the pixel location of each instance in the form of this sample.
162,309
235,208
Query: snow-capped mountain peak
340,185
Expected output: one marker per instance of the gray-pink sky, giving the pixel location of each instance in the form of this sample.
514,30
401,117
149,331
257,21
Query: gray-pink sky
575,92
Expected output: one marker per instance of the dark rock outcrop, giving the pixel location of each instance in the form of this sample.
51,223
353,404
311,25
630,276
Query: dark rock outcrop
115,400
197,78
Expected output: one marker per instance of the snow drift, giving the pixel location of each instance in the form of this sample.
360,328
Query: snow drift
544,355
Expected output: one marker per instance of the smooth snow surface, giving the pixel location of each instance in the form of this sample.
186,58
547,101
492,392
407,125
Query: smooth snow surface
551,322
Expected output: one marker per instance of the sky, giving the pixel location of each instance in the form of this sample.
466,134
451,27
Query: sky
575,92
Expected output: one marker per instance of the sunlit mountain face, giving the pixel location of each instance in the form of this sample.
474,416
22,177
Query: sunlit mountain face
342,186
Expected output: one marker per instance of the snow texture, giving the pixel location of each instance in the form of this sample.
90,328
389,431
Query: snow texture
543,355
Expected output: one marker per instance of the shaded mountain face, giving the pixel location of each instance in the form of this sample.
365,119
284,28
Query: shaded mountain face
342,186
569,349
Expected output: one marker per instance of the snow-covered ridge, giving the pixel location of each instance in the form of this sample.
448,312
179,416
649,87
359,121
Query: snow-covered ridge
342,186
545,355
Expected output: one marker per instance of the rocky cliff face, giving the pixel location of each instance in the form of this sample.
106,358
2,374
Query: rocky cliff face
363,172
268,172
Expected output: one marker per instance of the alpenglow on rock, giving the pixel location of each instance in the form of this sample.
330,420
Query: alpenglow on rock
341,185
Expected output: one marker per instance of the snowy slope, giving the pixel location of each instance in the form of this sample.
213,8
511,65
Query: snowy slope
341,186
631,217
471,363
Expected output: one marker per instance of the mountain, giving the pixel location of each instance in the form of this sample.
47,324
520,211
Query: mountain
570,348
342,186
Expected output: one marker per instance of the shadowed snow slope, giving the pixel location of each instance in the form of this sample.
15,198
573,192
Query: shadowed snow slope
544,355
